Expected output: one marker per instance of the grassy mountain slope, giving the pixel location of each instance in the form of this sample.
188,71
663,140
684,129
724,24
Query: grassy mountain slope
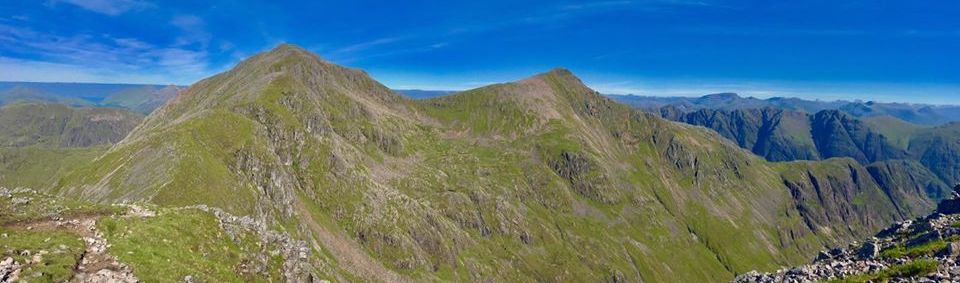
41,167
782,135
41,142
777,135
541,179
63,126
917,188
898,132
938,148
838,135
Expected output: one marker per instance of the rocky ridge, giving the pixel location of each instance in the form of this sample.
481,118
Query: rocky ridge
926,249
295,253
93,263
29,216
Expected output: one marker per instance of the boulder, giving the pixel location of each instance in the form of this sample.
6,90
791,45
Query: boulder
952,251
824,255
870,249
949,206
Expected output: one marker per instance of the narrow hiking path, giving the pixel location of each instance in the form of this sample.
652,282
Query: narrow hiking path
94,264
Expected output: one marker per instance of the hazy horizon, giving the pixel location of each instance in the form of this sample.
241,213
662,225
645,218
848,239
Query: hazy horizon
883,93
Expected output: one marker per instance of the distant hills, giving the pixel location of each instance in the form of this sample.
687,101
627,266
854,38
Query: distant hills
134,97
145,98
423,94
922,114
39,141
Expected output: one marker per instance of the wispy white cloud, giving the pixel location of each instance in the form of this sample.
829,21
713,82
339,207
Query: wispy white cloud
194,30
13,69
760,31
382,47
548,17
345,58
560,15
108,7
357,47
100,56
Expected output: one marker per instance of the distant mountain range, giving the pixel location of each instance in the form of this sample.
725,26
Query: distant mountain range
135,97
922,114
788,135
423,94
41,140
144,98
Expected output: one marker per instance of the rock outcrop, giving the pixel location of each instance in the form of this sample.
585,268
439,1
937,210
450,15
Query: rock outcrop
921,250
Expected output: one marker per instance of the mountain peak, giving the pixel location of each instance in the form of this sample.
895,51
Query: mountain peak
287,48
558,72
559,75
287,51
561,71
285,70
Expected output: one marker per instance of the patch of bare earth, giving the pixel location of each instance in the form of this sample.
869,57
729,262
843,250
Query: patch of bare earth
95,264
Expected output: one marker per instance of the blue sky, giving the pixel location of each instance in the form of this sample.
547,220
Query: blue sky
872,50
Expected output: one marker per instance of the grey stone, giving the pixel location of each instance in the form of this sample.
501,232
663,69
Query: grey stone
870,249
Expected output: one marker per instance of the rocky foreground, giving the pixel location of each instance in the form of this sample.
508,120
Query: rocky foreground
48,239
921,250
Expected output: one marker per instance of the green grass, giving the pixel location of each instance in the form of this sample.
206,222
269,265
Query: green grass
39,166
45,207
906,270
63,250
898,132
482,111
925,249
207,145
176,244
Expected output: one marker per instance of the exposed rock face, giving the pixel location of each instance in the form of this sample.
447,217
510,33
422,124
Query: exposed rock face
583,175
913,181
869,250
784,135
295,253
839,135
777,135
924,250
939,149
950,206
542,179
